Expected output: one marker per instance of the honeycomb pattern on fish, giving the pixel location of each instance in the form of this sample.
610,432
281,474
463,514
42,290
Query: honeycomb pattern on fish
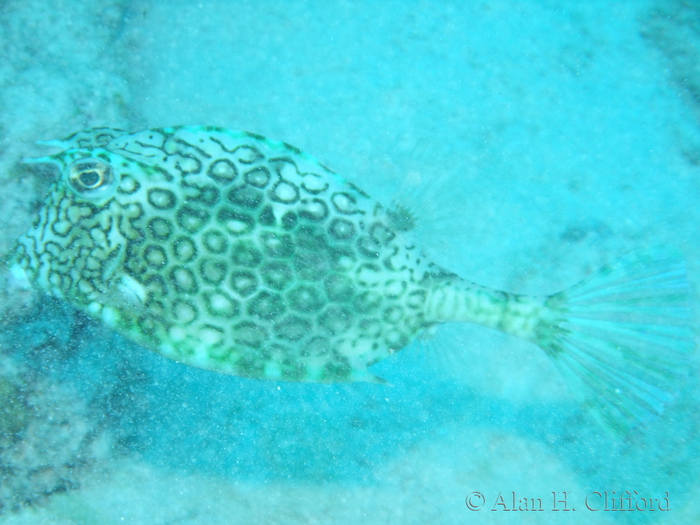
228,251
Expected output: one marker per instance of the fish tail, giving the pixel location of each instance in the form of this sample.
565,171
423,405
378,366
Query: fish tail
623,338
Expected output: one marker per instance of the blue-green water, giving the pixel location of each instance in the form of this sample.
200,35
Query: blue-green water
538,140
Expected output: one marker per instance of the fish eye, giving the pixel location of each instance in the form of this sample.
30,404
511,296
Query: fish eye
90,177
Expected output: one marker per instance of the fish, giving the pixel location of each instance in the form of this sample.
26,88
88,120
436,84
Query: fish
228,251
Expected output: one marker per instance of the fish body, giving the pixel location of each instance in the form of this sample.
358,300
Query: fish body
232,252
229,251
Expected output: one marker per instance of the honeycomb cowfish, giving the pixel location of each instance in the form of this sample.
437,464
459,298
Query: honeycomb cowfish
232,252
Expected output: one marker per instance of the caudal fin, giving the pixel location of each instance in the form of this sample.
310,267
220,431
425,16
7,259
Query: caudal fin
623,338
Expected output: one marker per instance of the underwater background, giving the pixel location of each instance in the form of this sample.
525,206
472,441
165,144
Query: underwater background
536,140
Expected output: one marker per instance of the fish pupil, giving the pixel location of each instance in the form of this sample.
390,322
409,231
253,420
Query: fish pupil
90,179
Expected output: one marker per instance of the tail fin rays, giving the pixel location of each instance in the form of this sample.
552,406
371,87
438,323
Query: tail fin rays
623,338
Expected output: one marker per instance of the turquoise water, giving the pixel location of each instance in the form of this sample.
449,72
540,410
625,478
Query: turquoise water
537,141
